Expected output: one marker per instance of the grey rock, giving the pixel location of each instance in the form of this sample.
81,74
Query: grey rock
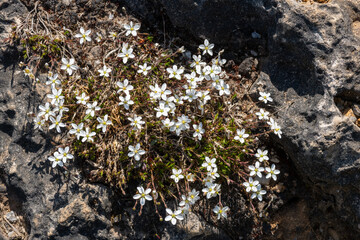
308,54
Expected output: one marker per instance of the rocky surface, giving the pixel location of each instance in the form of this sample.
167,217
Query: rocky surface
308,55
53,203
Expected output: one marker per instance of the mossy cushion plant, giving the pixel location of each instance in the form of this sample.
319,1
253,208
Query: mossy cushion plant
150,114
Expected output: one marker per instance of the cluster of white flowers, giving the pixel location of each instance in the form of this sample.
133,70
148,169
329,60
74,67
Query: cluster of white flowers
201,81
263,115
201,76
256,171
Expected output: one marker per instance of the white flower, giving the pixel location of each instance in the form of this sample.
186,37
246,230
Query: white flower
241,135
144,69
126,101
211,190
91,108
53,80
265,97
56,123
177,127
113,35
55,96
201,106
39,123
191,95
209,163
208,179
262,155
178,99
204,96
198,131
184,210
50,73
143,195
87,135
168,123
271,123
69,65
105,71
216,81
164,92
46,111
82,99
213,173
251,185
27,71
272,172
190,177
184,202
259,192
103,123
162,110
192,79
193,196
135,151
64,152
56,160
60,107
221,212
124,87
256,170
277,130
274,126
176,175
175,72
155,91
197,62
223,88
262,114
126,53
207,47
131,28
218,61
136,122
98,37
83,35
76,129
184,122
173,216
213,71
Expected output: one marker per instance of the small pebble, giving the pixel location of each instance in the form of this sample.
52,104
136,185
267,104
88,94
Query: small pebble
253,53
11,216
11,234
255,35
